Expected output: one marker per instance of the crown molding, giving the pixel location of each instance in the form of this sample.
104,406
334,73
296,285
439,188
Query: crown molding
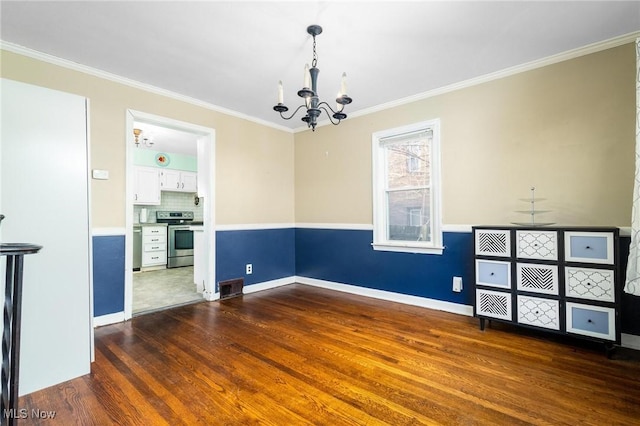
54,60
560,57
539,63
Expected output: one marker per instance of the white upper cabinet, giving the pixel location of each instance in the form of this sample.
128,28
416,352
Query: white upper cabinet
146,181
179,181
189,182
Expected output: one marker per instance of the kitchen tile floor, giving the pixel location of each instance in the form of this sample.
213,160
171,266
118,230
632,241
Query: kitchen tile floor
156,290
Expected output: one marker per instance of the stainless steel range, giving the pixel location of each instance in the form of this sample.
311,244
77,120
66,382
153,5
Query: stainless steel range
180,237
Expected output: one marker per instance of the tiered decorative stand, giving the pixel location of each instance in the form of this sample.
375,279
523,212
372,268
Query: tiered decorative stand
14,254
532,211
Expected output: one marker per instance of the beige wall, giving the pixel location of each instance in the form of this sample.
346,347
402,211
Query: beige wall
567,129
254,163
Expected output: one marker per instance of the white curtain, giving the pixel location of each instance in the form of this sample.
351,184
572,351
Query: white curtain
632,285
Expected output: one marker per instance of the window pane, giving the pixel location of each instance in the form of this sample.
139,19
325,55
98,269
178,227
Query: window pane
409,215
408,163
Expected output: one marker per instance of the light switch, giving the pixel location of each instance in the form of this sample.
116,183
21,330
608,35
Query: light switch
100,174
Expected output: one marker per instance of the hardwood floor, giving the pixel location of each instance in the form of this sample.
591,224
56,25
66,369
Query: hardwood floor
304,355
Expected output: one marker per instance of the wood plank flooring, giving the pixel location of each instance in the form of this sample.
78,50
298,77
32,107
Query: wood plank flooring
300,355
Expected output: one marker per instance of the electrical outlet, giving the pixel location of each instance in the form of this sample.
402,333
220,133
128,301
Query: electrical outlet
457,284
249,269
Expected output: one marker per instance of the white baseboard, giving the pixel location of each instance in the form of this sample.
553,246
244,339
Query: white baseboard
108,319
423,302
266,285
630,341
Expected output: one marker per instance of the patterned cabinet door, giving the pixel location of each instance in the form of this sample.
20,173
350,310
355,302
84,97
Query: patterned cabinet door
592,284
539,312
537,278
495,304
537,245
493,242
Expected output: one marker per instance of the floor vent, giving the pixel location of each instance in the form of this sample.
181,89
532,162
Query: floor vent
231,288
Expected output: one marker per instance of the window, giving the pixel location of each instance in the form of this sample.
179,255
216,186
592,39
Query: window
413,159
415,217
406,189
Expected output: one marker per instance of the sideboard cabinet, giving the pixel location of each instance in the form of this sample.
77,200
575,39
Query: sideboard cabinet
564,280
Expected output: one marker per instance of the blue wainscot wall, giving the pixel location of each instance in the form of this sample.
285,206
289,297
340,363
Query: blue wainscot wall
346,256
108,274
326,257
271,252
330,256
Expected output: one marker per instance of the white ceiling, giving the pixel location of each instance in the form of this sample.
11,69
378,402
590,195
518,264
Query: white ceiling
232,54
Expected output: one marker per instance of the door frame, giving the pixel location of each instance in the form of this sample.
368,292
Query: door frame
208,136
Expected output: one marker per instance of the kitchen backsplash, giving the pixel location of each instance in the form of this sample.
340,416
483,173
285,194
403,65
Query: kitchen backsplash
171,201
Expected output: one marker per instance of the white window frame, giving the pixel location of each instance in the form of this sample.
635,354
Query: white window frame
380,215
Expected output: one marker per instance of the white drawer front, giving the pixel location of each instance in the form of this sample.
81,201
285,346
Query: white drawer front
493,242
589,247
493,273
154,258
493,304
539,312
154,230
593,321
537,278
592,284
537,245
154,239
155,247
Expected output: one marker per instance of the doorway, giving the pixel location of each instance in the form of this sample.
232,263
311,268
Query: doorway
151,285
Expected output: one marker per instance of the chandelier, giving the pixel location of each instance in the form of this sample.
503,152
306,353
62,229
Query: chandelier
309,93
146,141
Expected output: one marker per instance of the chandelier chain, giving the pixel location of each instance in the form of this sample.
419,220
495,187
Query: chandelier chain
314,62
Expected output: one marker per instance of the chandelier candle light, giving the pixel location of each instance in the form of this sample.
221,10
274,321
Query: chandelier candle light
310,95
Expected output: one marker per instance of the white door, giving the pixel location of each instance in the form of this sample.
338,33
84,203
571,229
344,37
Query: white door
44,196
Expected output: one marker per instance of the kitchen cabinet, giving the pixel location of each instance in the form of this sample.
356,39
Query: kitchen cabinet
146,184
178,181
189,181
154,246
557,279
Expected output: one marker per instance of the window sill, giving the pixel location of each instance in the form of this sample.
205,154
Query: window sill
407,248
